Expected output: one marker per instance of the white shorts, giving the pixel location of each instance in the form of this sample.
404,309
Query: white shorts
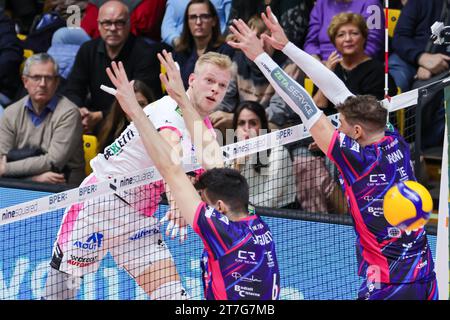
107,224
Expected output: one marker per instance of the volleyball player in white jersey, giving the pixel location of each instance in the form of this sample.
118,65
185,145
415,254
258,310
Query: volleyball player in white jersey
123,224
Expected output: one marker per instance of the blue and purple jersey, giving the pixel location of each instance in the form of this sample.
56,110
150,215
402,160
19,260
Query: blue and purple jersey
239,260
385,253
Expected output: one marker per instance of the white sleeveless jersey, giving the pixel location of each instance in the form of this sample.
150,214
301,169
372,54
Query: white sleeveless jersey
127,153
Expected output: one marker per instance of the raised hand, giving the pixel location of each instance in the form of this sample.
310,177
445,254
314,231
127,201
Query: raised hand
172,78
124,89
247,41
278,38
176,223
333,60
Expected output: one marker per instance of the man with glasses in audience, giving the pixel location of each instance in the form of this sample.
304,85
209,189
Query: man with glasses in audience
115,43
41,134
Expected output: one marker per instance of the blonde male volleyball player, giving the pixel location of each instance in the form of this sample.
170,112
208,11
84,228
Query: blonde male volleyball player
394,263
123,224
238,245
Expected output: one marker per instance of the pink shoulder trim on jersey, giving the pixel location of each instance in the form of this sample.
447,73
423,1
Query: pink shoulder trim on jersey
210,126
72,215
171,128
217,283
331,145
199,208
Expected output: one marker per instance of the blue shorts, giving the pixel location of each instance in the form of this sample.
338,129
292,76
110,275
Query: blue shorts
425,289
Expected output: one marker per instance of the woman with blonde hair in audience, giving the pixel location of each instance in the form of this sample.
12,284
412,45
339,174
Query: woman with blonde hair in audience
361,73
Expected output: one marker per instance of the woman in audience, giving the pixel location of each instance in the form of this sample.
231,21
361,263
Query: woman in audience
201,33
361,73
317,41
268,173
116,120
172,24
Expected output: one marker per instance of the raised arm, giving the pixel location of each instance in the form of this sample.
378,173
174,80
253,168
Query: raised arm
294,94
207,149
166,160
327,81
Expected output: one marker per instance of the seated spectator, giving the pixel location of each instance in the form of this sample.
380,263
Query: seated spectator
116,121
115,44
65,44
416,61
23,13
41,134
201,33
268,173
172,25
145,18
11,56
292,15
318,42
413,56
360,73
250,84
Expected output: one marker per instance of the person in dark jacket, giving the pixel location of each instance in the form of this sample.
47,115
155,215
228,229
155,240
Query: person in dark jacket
116,43
11,56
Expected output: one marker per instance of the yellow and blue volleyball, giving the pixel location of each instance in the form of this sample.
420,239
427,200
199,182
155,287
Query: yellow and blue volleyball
407,205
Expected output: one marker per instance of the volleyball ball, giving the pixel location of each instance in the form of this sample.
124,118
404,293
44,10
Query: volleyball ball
407,205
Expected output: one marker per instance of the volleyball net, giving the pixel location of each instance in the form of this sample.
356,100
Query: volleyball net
110,227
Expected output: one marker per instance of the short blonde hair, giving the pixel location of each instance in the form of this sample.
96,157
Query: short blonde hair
347,18
220,60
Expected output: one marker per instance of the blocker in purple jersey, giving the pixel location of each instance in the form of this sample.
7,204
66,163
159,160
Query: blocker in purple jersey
386,254
239,260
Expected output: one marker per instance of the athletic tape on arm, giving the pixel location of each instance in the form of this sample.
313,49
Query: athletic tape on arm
294,94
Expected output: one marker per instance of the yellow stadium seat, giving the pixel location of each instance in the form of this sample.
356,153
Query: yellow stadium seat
163,71
26,52
90,145
400,114
309,86
393,15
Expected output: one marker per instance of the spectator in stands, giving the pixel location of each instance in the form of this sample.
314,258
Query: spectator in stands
11,56
65,45
318,43
250,84
22,13
361,73
41,134
413,56
201,33
116,121
416,61
292,14
145,18
173,22
115,44
268,173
